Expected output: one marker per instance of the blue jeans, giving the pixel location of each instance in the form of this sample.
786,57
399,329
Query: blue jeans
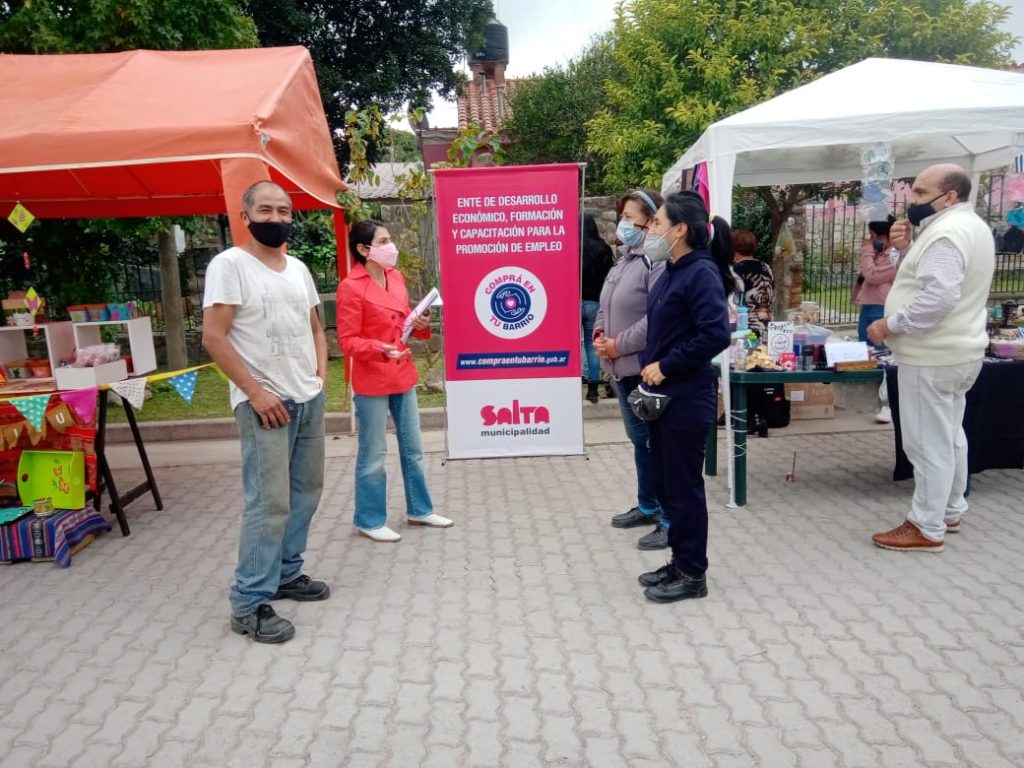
371,477
282,479
868,314
593,367
639,434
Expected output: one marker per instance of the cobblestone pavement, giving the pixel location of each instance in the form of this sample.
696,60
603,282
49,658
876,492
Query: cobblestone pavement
520,637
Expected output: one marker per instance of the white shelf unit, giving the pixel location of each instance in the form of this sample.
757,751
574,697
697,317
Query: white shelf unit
60,342
140,340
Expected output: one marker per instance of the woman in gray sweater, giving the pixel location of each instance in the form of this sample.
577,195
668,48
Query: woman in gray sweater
620,332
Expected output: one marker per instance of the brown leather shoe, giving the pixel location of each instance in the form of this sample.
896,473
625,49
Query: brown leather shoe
952,526
906,538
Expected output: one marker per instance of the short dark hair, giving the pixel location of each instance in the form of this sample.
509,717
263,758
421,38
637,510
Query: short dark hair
249,196
362,233
744,242
881,227
687,207
959,182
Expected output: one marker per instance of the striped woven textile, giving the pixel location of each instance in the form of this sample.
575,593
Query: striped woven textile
33,537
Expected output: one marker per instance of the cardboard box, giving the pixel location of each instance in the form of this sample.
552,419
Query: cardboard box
83,378
804,412
811,401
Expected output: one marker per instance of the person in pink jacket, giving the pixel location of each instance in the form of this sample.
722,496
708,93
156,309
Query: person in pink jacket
877,272
372,307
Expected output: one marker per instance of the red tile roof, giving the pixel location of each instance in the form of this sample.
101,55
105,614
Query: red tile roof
479,103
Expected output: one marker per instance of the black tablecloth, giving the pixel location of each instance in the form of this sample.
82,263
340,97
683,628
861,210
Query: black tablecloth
993,421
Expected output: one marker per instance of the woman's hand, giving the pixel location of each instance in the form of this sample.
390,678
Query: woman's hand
421,322
651,374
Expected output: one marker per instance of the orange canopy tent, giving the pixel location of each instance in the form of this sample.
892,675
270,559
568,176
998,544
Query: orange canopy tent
157,133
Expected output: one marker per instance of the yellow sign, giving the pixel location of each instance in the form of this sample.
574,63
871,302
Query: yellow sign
20,217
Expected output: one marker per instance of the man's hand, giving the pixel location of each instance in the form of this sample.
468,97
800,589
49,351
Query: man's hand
651,374
899,234
878,331
270,409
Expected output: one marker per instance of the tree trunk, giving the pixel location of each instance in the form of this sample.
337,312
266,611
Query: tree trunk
170,289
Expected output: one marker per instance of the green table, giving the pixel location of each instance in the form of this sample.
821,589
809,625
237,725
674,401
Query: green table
738,381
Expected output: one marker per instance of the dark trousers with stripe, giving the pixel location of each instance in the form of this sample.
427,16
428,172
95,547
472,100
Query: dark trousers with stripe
677,450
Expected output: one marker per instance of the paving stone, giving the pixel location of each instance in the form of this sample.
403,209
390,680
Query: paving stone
529,644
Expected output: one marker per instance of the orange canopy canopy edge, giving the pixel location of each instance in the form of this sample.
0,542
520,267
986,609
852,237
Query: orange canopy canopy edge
158,133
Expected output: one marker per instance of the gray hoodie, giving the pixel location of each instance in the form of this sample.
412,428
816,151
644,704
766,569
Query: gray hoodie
623,312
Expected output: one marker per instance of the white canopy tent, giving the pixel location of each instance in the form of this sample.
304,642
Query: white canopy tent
928,113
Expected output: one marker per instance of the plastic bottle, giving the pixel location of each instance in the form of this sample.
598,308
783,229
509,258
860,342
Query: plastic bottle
742,318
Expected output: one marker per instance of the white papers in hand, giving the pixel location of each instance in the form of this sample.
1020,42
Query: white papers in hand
432,297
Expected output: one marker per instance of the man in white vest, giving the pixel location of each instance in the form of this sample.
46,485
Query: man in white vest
935,325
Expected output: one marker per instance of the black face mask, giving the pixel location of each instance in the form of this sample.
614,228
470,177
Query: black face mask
921,211
272,234
878,245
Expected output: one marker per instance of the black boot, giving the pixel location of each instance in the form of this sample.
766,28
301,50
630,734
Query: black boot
592,395
651,578
609,392
677,586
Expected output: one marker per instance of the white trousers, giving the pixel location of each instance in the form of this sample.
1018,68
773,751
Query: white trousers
932,403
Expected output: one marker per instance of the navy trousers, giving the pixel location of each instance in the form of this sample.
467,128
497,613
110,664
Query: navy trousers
677,450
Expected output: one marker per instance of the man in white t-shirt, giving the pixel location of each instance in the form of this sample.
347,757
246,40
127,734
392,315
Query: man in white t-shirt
260,325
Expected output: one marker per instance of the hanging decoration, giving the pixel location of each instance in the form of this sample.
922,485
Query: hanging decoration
185,385
32,408
82,402
876,181
60,418
132,390
20,217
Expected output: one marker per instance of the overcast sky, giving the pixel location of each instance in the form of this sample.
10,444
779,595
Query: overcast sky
544,33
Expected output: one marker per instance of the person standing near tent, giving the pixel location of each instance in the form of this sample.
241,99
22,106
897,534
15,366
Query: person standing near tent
620,332
935,325
877,271
687,326
372,307
595,261
758,281
260,325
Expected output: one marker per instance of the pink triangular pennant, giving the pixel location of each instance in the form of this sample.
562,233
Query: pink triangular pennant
82,402
132,390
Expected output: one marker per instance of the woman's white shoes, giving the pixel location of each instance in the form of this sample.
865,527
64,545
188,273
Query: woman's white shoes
383,534
431,520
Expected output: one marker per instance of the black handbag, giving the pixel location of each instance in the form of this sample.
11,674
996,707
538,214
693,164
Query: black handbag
648,406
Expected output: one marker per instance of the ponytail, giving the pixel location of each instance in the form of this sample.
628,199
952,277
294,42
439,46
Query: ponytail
687,207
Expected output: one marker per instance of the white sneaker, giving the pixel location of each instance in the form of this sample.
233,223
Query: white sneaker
884,415
431,521
383,534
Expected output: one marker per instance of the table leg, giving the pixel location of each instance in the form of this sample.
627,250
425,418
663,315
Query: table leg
739,431
150,484
106,478
711,452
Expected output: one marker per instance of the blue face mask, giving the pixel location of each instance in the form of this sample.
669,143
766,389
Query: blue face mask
629,233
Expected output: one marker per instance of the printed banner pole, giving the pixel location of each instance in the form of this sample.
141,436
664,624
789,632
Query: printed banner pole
509,242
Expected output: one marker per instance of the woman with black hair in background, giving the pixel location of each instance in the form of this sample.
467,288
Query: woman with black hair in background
595,261
687,326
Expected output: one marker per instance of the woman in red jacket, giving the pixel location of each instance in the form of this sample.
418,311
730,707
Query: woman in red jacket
372,307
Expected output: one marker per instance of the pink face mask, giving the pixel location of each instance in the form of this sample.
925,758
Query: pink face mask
386,255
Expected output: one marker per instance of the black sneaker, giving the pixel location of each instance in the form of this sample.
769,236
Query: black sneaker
656,539
634,518
263,625
677,586
303,589
651,578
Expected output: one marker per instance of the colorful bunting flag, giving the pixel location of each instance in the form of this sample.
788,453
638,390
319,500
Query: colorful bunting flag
82,402
34,435
132,390
60,418
32,408
12,432
185,385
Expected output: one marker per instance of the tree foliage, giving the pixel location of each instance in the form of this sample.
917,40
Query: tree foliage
387,53
550,112
104,26
683,64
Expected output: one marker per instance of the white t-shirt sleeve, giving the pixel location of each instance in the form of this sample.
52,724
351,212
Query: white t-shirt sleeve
314,297
222,284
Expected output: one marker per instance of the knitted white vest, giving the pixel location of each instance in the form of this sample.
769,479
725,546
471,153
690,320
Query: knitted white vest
960,336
